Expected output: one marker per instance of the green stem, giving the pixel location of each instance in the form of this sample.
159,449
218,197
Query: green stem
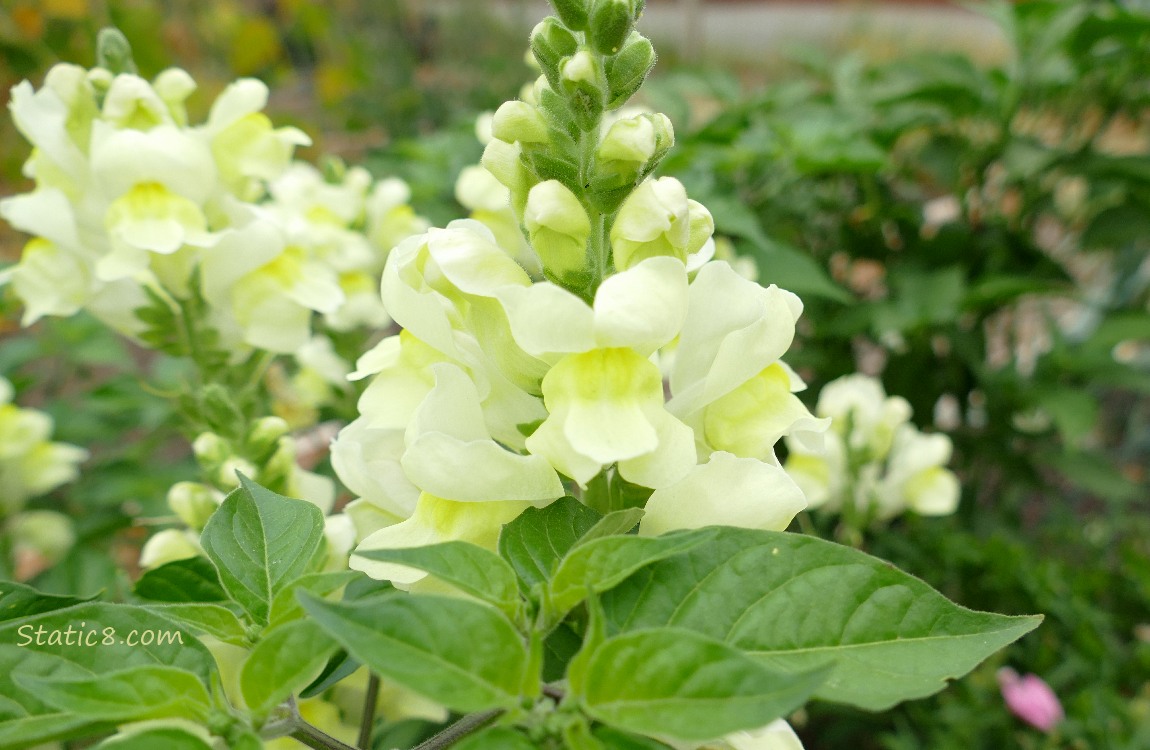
312,737
599,250
368,721
295,727
460,729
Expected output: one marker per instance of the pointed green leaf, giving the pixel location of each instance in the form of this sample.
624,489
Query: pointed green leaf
615,522
285,660
205,618
795,602
468,567
48,645
614,739
535,541
151,691
98,637
603,563
675,683
460,653
168,738
285,605
18,600
22,732
340,665
260,542
191,580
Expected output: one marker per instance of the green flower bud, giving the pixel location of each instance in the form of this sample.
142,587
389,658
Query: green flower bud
664,132
503,161
227,474
276,473
626,155
558,228
582,84
551,44
265,433
211,450
519,121
113,52
193,502
630,141
611,22
168,546
627,70
572,12
659,219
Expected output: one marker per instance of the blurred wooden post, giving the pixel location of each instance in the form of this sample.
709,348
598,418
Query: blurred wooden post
694,34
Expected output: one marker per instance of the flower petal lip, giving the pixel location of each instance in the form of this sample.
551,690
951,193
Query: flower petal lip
734,328
727,490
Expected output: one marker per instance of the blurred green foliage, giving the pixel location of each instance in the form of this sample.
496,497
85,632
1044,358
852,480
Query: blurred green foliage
352,73
980,237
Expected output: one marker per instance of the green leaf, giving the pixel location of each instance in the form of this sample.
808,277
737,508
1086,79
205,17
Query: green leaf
539,537
169,738
460,653
778,262
614,739
795,603
603,563
205,618
496,738
191,580
674,683
615,522
47,645
339,666
286,606
151,691
22,732
18,600
285,660
1074,411
260,542
468,567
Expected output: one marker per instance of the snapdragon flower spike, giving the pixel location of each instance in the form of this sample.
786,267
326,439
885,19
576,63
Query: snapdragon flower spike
592,61
637,361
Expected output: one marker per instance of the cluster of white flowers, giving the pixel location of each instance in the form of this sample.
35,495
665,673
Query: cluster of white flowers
502,392
874,464
31,465
130,196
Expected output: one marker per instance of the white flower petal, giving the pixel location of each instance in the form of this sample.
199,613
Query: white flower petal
546,319
367,462
436,520
729,491
733,330
643,307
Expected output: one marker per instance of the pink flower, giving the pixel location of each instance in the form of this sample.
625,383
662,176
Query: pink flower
1030,699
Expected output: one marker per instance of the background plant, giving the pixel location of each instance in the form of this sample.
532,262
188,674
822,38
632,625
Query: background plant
973,236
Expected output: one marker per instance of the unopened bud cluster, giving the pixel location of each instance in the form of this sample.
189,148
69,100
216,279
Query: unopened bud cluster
266,452
569,164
